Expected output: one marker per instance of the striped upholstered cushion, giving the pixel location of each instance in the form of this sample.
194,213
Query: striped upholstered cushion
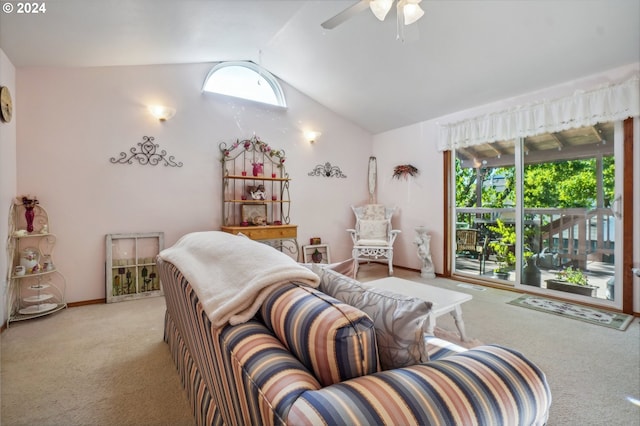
258,378
487,385
333,340
236,375
244,375
438,348
202,404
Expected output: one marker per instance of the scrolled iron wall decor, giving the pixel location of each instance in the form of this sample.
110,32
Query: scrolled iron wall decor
148,154
327,171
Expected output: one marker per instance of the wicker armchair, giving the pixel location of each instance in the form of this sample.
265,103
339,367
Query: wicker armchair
373,236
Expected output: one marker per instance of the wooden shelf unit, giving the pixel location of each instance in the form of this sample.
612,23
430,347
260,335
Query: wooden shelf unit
270,224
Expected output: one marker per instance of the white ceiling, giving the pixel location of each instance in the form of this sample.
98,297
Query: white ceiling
459,55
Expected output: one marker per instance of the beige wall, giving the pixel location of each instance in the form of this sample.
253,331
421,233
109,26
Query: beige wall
75,120
420,199
70,122
7,169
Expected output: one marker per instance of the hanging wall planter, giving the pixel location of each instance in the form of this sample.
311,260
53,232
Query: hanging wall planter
404,171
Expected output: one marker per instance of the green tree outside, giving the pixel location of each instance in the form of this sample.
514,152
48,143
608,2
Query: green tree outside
562,184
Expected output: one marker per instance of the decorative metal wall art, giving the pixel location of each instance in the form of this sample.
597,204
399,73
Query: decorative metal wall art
148,154
327,171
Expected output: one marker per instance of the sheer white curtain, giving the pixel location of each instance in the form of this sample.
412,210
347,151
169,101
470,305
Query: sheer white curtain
584,108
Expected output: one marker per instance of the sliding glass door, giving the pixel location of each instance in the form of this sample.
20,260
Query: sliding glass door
568,225
485,211
538,213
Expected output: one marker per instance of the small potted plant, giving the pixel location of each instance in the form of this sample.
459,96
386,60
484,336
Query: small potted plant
506,259
503,249
572,281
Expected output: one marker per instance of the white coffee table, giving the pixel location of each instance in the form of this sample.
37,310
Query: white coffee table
444,301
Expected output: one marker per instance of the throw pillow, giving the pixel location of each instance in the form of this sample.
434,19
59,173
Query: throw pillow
332,339
373,230
373,211
400,321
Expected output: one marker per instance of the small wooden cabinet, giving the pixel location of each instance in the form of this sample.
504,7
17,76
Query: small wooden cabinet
131,271
255,194
264,232
35,285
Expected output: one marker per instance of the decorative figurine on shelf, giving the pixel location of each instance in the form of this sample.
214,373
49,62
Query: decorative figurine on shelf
423,241
257,192
316,256
257,168
259,220
47,264
29,258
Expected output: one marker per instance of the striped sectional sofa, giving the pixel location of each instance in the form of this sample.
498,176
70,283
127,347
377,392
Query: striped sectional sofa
307,358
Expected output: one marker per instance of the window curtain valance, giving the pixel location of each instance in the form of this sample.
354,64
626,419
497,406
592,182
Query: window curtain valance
584,108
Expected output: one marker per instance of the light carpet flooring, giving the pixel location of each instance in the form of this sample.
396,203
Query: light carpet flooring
108,364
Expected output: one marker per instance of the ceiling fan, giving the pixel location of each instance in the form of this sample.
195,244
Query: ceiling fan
408,9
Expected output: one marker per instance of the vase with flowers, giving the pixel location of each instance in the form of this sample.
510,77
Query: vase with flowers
257,168
29,203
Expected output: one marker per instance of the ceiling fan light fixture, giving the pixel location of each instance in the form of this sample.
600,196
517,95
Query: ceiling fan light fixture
408,12
412,12
380,8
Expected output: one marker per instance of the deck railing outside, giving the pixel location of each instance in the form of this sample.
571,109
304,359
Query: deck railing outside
577,237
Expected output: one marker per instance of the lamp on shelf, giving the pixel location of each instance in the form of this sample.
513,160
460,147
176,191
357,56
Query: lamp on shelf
161,112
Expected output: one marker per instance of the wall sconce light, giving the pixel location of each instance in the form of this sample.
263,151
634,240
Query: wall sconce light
312,135
161,112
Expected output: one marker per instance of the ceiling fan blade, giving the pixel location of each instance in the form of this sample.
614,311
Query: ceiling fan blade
346,14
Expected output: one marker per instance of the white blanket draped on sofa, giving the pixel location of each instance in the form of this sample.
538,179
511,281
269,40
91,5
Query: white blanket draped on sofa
222,267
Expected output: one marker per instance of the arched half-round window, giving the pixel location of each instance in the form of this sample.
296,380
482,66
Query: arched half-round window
244,80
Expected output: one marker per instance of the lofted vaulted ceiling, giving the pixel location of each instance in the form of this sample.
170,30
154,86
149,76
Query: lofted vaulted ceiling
459,55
